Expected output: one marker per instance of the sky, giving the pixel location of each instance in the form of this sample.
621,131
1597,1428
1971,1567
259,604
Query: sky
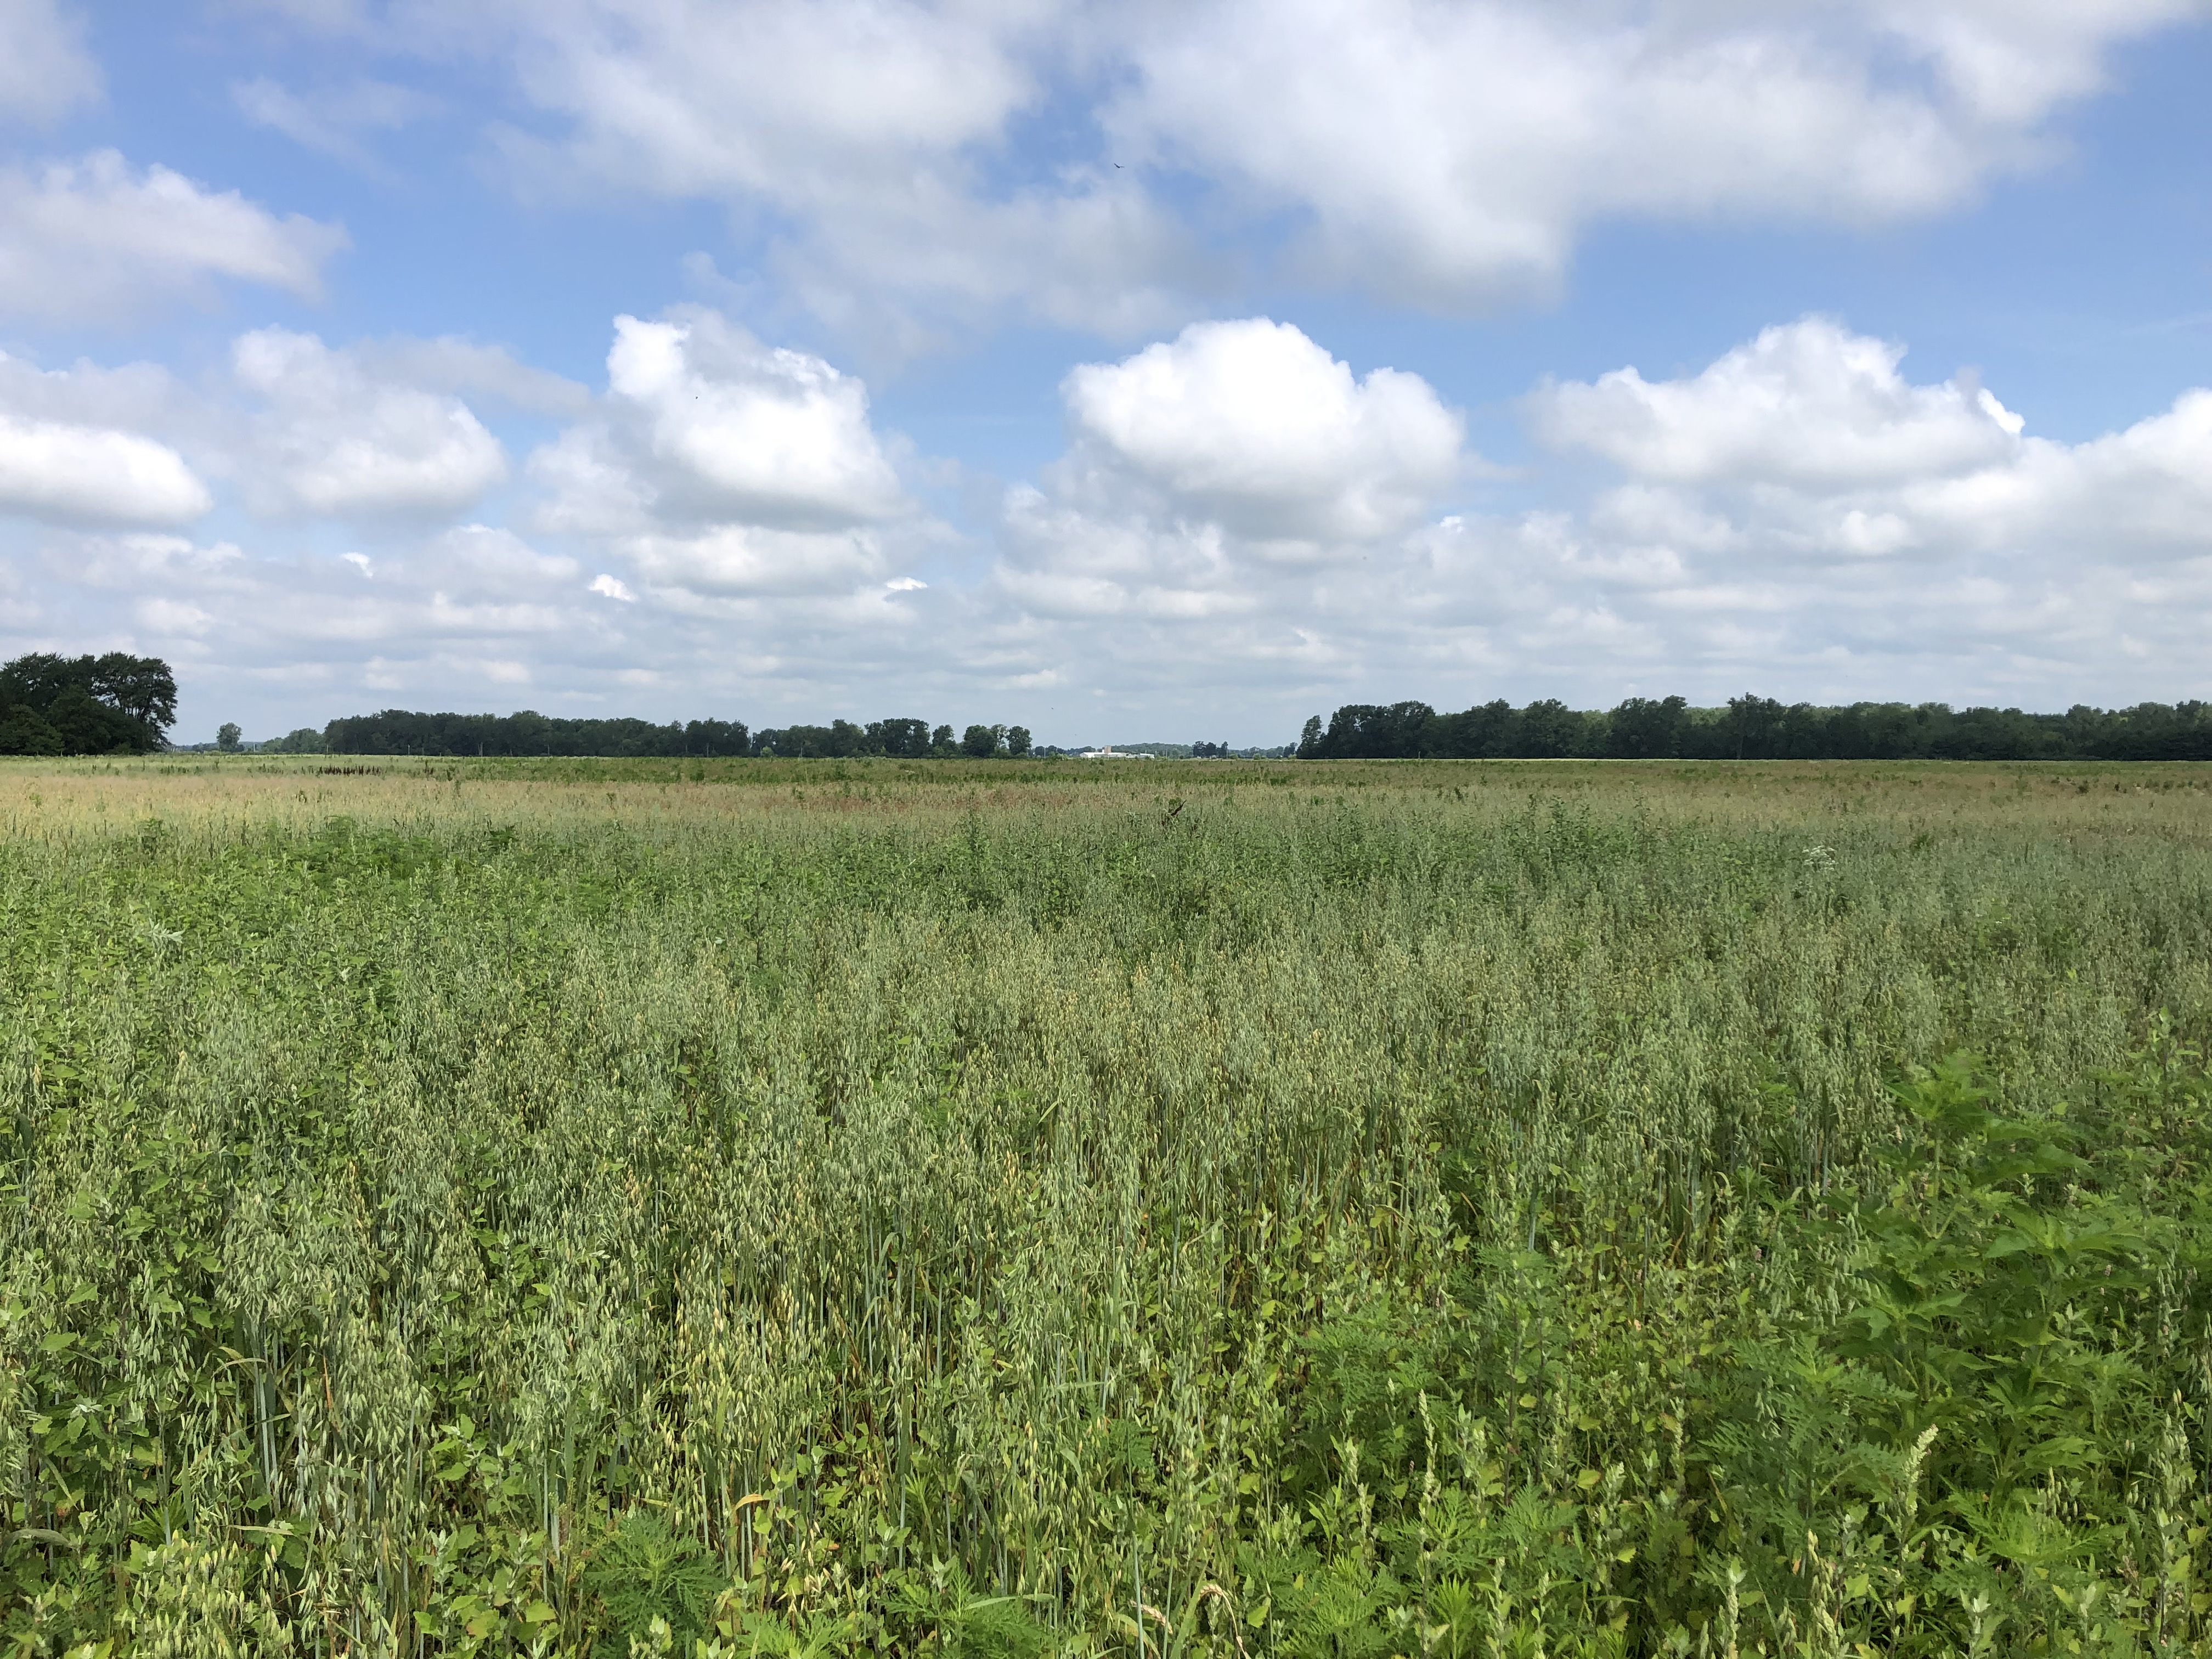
1143,371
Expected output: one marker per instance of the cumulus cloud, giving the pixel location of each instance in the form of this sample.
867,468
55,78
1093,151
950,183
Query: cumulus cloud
336,439
1451,155
716,465
686,97
75,448
53,470
45,70
1810,439
95,240
755,560
762,435
1243,529
1251,425
1225,523
287,639
1208,471
139,396
1807,403
2146,489
751,531
1799,516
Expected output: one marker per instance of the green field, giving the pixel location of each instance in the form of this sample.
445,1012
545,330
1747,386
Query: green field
1422,1209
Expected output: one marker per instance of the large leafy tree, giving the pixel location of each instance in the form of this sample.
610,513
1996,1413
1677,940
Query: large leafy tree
55,705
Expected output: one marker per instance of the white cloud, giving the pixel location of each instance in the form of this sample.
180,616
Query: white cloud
76,447
872,129
335,120
1452,155
720,469
142,560
1799,517
2147,490
590,487
139,397
92,240
741,431
1243,530
778,97
339,441
751,559
468,369
911,168
478,558
302,638
1807,404
1809,440
1251,424
1224,524
45,70
1225,474
915,167
52,469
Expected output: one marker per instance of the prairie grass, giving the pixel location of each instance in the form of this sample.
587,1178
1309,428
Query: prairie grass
1425,1208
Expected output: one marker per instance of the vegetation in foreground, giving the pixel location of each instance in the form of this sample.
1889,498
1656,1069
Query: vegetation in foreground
1424,1210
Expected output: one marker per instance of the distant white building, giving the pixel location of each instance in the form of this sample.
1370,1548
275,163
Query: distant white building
1107,752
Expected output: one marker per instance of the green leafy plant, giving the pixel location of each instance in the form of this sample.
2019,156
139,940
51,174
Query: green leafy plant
642,1572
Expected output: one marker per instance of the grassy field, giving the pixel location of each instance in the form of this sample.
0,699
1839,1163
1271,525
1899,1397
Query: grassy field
1421,1208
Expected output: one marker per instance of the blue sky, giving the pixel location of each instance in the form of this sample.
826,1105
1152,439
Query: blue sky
1411,348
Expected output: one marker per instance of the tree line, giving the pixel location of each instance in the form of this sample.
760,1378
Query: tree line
1758,728
112,704
119,703
402,732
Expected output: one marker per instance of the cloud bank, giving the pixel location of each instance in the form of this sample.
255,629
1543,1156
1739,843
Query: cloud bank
1450,156
96,240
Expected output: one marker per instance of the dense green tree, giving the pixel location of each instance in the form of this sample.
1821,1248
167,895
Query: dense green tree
1362,731
1550,731
226,737
1760,728
1486,730
142,687
88,705
1751,726
1645,728
526,733
24,732
983,741
906,738
713,737
801,742
1017,741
